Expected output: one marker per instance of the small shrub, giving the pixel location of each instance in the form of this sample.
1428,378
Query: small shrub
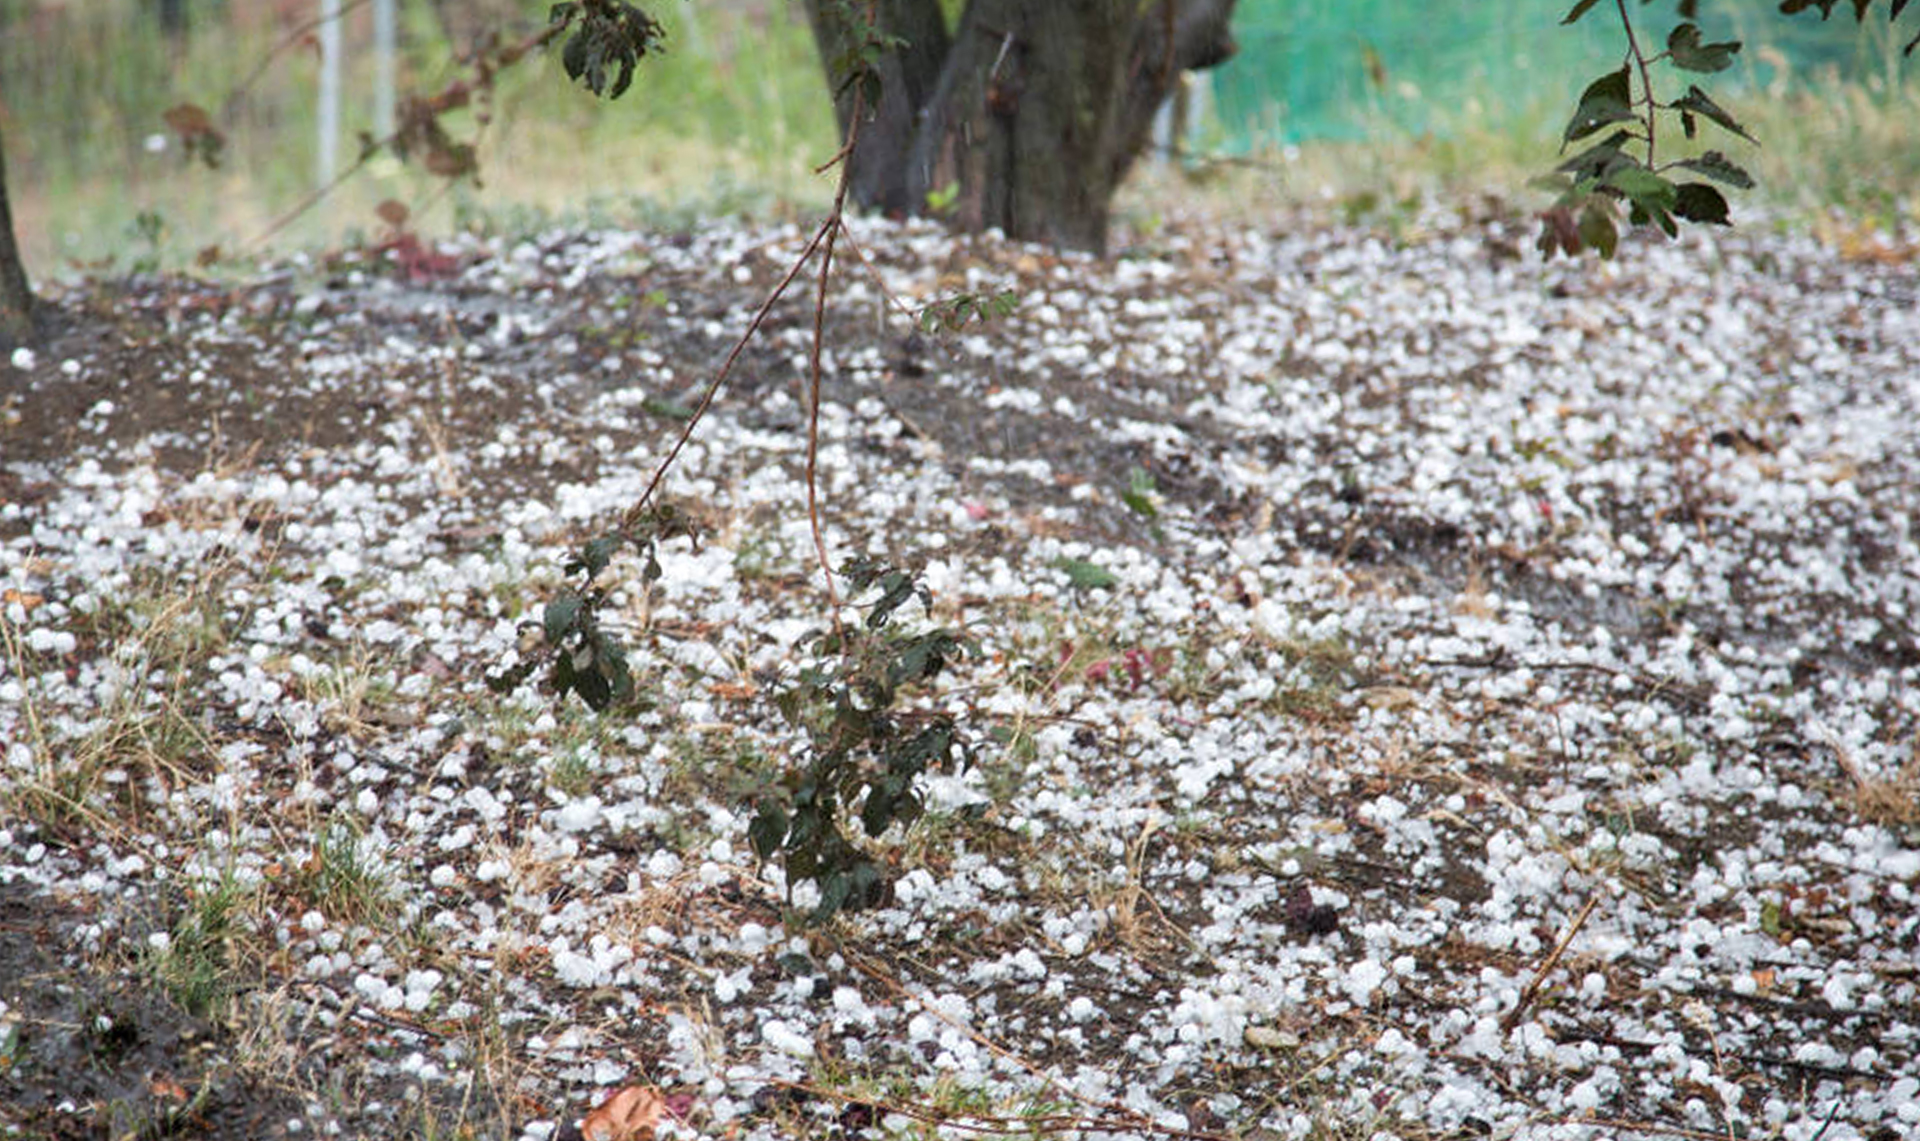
865,753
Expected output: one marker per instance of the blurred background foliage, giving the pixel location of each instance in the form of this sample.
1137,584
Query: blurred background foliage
1372,106
731,116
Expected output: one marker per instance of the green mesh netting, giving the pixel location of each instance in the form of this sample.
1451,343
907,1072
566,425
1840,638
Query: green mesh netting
1309,69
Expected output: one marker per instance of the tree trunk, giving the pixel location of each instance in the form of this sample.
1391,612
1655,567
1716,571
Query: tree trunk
16,300
173,17
1027,118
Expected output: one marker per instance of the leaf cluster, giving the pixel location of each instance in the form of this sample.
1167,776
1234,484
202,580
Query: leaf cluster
856,67
865,754
607,35
1860,10
952,314
420,136
579,653
1623,169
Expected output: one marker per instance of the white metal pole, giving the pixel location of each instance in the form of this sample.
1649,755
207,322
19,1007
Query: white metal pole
329,143
383,49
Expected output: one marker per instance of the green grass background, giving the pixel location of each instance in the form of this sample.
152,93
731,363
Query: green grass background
733,116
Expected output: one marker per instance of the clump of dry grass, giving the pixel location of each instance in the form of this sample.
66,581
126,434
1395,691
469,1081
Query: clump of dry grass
101,775
1891,800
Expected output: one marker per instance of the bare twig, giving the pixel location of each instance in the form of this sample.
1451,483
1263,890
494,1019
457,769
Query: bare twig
1001,1125
455,93
823,241
634,513
1646,77
291,40
1532,991
316,196
834,225
1618,1125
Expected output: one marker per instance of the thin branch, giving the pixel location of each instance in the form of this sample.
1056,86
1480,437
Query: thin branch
822,241
1532,992
633,514
1646,76
814,384
1000,1125
454,94
292,39
835,224
1653,1128
316,196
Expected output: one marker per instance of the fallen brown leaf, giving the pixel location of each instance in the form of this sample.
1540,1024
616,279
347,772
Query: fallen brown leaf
629,1115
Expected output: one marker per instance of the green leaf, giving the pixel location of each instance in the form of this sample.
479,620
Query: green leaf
625,81
951,314
666,409
1579,10
561,678
1697,102
923,658
1698,202
897,588
1608,99
560,615
1688,53
877,812
1083,575
1646,215
1139,494
610,661
1643,186
768,830
1597,228
594,687
574,56
1601,159
595,556
1718,167
834,895
803,863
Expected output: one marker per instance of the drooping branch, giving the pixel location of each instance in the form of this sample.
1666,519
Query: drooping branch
906,45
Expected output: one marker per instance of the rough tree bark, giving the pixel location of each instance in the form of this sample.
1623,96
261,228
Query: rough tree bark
16,300
1032,111
173,17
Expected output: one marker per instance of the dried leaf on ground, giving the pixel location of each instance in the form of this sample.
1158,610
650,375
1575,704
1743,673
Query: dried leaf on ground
629,1115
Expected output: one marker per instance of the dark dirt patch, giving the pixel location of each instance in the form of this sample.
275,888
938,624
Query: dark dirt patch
94,1050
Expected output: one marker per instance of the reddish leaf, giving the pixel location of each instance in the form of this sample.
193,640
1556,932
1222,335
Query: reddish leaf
629,1115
